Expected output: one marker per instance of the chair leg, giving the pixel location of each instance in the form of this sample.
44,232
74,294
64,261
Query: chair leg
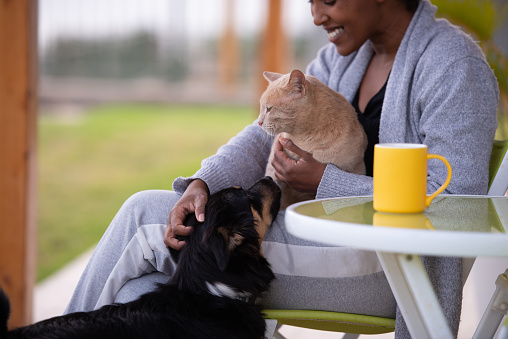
271,328
350,336
496,310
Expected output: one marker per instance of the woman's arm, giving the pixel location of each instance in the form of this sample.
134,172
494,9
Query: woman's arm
241,162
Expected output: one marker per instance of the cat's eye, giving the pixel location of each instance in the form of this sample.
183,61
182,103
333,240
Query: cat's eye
268,109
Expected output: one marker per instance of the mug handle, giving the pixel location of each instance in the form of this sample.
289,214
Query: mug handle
429,199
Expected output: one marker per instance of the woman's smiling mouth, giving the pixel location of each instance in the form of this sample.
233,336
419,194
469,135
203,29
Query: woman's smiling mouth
334,34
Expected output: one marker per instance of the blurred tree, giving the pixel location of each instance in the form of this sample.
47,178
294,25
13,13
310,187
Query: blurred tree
136,55
481,19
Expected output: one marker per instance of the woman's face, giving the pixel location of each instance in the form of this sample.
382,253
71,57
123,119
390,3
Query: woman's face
349,23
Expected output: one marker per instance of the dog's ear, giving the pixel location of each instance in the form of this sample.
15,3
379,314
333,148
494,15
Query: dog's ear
175,254
190,220
221,242
218,245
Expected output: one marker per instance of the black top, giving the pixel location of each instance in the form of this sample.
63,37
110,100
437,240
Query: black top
370,122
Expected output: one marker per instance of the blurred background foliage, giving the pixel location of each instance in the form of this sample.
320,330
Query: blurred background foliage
482,19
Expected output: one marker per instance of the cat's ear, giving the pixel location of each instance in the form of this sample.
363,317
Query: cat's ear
297,81
271,76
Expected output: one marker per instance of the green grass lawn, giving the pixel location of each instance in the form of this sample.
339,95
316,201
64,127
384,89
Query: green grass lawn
91,162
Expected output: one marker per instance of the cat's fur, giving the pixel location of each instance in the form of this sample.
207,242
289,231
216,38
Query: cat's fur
317,119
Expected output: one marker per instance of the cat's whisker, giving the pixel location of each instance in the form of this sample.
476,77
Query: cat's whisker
267,139
269,128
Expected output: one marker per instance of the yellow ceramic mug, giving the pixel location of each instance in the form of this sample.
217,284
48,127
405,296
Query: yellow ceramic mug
400,178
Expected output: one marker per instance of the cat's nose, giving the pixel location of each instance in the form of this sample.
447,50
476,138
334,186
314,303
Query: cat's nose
260,122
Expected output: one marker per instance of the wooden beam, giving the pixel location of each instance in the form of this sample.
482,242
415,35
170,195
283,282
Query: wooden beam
18,119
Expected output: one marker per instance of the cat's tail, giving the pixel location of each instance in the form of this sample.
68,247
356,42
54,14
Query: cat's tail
5,310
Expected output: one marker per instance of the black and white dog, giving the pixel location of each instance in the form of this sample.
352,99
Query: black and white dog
220,273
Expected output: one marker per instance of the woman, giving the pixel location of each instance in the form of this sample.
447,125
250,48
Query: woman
412,78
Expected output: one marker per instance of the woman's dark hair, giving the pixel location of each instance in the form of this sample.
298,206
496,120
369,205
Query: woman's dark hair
411,5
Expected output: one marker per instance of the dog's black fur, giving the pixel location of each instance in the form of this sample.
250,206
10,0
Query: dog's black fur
225,249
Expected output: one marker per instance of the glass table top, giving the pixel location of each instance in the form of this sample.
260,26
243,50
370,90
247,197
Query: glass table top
452,225
446,213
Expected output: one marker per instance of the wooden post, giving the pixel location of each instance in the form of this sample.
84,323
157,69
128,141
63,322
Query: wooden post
274,47
275,56
18,119
228,50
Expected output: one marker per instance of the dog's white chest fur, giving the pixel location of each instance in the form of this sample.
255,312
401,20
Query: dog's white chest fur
222,290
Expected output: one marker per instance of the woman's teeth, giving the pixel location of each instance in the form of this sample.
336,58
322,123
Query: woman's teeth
335,32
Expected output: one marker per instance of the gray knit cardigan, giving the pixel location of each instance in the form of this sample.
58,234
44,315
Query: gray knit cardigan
441,92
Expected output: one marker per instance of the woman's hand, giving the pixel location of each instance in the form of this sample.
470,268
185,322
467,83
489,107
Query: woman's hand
193,200
303,175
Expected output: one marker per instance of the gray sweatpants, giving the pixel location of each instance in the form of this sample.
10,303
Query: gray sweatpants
131,258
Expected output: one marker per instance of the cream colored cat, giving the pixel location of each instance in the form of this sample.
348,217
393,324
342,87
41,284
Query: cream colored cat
317,119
